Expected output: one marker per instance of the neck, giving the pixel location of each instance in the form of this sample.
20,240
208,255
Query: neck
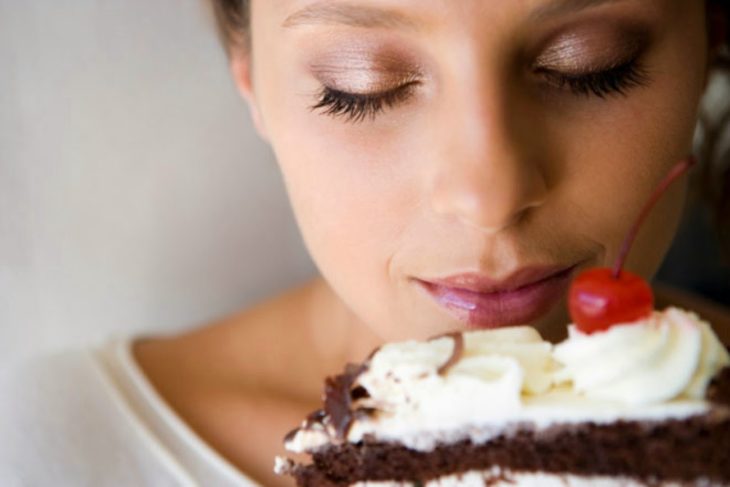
338,335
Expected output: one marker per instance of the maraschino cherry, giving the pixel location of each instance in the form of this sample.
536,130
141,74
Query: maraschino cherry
602,297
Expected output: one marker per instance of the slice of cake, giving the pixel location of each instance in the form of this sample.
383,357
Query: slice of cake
645,403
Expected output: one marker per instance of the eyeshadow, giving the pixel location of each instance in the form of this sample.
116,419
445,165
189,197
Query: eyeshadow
363,69
587,48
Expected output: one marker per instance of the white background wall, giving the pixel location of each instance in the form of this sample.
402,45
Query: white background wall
134,194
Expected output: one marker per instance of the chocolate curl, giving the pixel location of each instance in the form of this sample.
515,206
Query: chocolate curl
338,399
456,352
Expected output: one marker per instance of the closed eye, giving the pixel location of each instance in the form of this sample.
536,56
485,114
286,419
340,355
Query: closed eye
614,80
356,107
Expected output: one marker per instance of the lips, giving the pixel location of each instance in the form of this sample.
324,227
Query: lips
482,302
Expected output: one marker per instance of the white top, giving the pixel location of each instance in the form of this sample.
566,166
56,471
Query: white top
91,418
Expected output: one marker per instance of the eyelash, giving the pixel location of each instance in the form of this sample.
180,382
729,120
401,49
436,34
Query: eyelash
616,80
356,107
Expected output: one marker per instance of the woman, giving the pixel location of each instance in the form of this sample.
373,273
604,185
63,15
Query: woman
451,164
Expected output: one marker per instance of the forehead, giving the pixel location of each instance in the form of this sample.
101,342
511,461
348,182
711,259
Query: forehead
406,13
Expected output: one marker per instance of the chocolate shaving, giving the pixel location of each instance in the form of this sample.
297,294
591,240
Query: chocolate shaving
338,398
366,411
362,412
314,418
372,354
359,393
291,435
456,353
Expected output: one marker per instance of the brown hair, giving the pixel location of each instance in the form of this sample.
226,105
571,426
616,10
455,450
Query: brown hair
233,16
713,181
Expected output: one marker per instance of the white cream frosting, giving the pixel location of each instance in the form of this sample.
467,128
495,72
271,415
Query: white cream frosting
655,369
672,354
494,370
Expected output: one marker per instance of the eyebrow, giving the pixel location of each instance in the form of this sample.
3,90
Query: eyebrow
326,12
564,7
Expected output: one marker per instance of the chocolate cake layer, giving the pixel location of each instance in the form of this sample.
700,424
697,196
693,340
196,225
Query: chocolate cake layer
682,451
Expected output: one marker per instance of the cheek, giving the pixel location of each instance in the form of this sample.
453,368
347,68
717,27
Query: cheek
615,152
614,162
352,199
343,202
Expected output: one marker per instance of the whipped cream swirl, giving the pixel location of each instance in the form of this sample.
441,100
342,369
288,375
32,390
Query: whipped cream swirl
673,354
495,368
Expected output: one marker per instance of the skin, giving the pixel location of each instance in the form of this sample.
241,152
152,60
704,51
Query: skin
485,167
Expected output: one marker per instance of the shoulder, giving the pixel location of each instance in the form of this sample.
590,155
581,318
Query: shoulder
714,313
252,372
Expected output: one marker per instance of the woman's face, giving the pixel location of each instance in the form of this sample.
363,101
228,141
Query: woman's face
451,163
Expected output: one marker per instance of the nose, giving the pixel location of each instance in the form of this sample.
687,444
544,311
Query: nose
488,174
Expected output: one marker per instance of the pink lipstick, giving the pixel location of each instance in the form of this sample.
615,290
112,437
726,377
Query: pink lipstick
482,302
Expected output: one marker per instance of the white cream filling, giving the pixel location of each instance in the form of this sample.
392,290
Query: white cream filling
538,413
497,478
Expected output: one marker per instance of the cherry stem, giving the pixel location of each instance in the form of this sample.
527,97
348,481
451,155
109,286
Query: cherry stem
677,171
